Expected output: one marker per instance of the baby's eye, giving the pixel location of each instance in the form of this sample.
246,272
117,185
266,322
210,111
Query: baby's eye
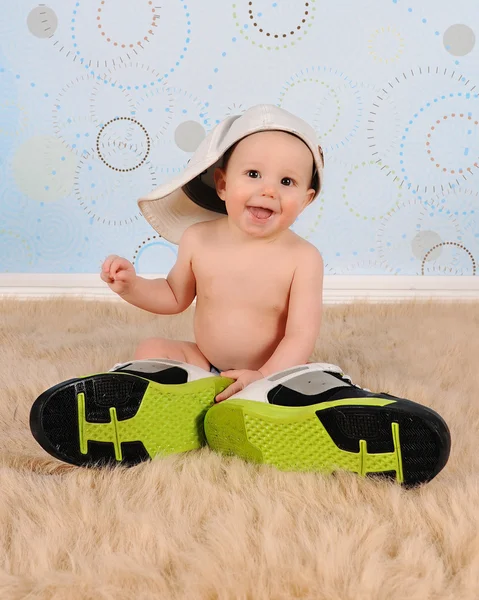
288,179
252,171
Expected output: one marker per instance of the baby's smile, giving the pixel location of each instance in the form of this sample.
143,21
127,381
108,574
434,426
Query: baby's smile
259,213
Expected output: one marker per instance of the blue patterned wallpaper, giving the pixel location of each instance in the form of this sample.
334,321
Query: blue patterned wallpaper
101,101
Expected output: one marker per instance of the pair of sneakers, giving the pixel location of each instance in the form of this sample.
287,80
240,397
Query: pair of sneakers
307,418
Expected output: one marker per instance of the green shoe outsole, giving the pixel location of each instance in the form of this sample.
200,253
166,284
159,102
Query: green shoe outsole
399,439
120,418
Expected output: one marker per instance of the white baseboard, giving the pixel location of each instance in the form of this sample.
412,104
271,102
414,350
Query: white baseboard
338,289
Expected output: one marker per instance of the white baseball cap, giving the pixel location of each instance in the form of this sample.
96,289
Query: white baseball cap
191,196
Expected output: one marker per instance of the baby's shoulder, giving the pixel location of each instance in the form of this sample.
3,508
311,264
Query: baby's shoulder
197,231
202,236
304,249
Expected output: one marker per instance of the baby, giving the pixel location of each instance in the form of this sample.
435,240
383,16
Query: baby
258,285
259,299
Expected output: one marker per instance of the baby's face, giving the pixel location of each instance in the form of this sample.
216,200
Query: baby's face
267,182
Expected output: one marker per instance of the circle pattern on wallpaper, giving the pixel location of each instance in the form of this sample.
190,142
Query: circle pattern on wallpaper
15,250
449,259
126,31
82,107
319,88
450,153
386,45
42,21
154,255
44,169
401,238
459,40
273,25
407,89
123,154
110,196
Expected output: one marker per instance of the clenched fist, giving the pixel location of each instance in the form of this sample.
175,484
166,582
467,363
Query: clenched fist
118,273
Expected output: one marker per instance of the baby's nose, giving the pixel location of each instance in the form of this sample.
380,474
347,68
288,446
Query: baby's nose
269,189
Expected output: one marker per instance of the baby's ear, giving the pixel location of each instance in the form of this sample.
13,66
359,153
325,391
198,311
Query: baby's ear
219,177
309,197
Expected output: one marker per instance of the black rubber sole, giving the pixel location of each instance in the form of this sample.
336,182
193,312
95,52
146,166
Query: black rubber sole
54,418
424,436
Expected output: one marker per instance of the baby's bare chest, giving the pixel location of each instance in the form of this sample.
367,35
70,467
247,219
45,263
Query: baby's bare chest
248,280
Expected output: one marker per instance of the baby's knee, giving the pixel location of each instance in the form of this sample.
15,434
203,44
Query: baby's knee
152,348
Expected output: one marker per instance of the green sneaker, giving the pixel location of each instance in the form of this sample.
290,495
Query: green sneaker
313,418
127,415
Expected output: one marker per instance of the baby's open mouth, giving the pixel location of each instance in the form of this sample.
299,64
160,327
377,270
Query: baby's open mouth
259,212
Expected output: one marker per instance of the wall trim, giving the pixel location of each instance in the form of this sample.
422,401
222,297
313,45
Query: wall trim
338,289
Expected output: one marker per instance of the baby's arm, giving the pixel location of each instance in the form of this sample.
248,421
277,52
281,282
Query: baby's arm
304,315
162,296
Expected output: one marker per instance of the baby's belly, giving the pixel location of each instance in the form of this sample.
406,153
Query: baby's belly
237,338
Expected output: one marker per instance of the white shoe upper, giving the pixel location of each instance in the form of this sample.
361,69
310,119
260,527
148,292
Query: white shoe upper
308,379
153,365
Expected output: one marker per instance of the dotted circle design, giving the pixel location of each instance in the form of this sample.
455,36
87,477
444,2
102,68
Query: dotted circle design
148,144
139,43
305,77
376,34
143,244
403,77
94,65
433,127
449,244
278,36
406,132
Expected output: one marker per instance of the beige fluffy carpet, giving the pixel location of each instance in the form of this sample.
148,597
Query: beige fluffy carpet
201,526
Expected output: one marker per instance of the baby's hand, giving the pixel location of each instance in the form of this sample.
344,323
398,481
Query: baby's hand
243,378
118,273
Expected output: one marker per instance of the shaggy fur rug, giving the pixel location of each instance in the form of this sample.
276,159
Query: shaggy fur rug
202,526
